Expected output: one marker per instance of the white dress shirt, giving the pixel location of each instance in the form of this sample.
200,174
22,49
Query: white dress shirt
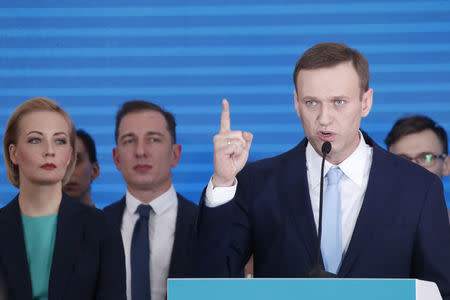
161,235
352,186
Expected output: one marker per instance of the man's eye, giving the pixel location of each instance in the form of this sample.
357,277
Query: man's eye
339,102
128,141
428,157
311,102
154,140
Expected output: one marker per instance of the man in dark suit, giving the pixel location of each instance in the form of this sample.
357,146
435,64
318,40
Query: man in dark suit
384,217
156,223
421,140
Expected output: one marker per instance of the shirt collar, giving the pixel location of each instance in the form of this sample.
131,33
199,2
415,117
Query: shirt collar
353,166
159,204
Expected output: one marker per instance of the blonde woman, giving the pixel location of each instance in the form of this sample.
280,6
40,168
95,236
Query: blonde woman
52,247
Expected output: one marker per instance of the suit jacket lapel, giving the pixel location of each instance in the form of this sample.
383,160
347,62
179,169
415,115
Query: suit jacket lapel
69,235
375,200
13,252
296,191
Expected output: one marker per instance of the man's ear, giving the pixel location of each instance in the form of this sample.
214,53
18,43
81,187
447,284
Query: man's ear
296,103
446,166
176,154
95,172
116,158
367,100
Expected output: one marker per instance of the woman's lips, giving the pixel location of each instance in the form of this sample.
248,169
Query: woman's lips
48,166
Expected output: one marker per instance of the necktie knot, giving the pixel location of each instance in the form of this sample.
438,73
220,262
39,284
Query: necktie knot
144,210
334,175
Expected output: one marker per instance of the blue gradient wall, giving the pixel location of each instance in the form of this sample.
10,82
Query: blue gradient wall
188,55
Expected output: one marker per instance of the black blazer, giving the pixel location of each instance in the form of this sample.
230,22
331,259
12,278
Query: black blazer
402,228
182,262
88,260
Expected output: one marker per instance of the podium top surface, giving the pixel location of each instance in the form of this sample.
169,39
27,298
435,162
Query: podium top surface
287,289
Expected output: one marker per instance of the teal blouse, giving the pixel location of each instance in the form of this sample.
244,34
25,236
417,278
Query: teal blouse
40,233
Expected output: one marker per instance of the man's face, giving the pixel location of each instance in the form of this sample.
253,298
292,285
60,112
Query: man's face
414,145
84,173
330,106
145,153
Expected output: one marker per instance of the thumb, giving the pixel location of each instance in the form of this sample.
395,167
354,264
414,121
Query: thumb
248,137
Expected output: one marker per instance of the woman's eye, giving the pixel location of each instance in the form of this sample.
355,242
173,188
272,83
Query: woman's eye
34,140
61,141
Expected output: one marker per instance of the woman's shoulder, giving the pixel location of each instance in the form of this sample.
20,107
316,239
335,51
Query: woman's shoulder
91,218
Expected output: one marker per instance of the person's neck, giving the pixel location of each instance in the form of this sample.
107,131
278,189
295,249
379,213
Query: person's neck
337,158
39,200
148,195
86,199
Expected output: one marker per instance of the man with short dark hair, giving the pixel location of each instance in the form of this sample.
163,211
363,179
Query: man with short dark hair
421,140
157,224
383,217
86,169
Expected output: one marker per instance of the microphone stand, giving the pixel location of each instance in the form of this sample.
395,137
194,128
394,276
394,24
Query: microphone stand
317,270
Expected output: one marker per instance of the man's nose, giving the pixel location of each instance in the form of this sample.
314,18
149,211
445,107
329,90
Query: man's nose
325,115
140,148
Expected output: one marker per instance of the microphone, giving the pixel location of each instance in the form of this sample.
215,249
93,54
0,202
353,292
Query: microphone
317,270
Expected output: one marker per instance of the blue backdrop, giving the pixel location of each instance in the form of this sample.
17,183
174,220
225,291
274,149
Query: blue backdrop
91,56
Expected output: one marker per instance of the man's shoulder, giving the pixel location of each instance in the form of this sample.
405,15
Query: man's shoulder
186,206
402,173
114,211
295,156
117,205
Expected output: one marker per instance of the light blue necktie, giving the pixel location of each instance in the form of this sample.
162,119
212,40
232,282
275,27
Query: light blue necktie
331,226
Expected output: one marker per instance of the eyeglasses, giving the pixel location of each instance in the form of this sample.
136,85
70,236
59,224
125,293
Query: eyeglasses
425,159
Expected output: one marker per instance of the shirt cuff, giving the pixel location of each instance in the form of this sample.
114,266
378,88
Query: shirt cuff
216,196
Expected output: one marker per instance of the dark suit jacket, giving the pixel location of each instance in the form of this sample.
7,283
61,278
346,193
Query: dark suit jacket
181,263
88,260
402,229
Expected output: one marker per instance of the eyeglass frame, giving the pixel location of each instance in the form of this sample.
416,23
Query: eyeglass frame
422,160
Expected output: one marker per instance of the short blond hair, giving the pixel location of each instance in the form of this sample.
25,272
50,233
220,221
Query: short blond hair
11,134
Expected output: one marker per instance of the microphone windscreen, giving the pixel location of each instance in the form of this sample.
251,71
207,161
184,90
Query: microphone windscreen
326,148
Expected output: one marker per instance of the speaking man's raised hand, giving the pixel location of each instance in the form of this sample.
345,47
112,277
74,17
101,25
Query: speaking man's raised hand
231,149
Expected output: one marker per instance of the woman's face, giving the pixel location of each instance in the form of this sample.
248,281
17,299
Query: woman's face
43,149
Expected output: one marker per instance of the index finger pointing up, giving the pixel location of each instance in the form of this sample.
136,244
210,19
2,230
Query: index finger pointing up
225,118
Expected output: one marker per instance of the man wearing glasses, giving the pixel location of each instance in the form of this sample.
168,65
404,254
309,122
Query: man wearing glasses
421,140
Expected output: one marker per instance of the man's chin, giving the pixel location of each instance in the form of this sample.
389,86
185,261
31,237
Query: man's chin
71,192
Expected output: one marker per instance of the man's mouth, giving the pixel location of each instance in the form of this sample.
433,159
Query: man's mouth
327,135
70,185
142,167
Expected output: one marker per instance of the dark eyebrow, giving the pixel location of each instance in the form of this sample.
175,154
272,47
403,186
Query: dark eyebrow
154,133
127,135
